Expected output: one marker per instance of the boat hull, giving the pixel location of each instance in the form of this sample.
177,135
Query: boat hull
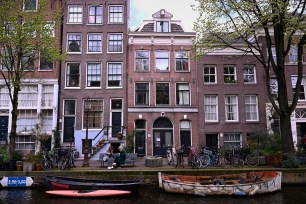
266,182
87,194
66,183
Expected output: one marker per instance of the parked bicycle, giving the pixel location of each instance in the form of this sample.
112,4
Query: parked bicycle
170,153
252,159
50,160
66,158
234,156
180,157
209,157
193,159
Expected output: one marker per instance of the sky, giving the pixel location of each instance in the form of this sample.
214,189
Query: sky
180,9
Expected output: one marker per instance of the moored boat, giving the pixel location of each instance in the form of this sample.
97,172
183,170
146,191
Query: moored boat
244,184
88,194
67,183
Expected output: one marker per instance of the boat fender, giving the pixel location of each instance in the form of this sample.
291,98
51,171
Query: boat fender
252,192
240,193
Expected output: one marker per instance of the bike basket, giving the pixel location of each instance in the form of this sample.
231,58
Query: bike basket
62,151
206,151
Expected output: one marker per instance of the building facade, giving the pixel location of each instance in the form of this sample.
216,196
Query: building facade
162,103
93,73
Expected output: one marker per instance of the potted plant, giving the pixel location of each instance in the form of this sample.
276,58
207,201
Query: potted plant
119,136
35,159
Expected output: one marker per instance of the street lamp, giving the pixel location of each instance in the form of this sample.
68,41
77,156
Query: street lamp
87,107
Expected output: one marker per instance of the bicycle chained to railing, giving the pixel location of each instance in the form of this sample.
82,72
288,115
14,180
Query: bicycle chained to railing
174,156
179,156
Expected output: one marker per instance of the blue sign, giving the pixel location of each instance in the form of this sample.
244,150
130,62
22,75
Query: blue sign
16,181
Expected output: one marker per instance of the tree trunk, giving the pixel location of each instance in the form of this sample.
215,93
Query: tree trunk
13,133
286,134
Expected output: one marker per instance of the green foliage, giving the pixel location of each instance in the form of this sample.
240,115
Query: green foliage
5,155
268,143
57,138
130,142
290,161
35,158
17,156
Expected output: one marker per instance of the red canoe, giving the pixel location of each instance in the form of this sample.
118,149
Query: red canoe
88,193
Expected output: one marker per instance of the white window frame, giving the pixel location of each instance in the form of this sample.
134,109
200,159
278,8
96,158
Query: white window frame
30,10
157,58
114,75
40,60
78,41
230,78
181,93
4,97
92,114
28,96
146,91
78,18
26,120
67,80
161,28
247,75
95,15
98,42
169,96
251,108
209,75
231,108
231,142
211,108
109,40
181,56
118,17
142,60
302,88
98,75
47,95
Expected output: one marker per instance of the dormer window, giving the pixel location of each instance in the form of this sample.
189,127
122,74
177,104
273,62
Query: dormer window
162,26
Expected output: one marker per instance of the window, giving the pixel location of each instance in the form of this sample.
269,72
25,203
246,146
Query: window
50,29
26,120
273,86
95,14
302,90
231,108
27,61
142,61
115,14
162,60
232,139
75,14
162,93
93,74
28,96
73,75
47,95
114,74
273,50
230,74
115,42
46,120
95,114
182,61
162,26
74,43
25,142
211,107
30,5
210,74
69,107
251,108
94,43
182,94
142,94
293,55
45,63
4,97
249,75
9,29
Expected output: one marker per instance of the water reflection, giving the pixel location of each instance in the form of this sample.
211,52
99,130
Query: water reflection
290,194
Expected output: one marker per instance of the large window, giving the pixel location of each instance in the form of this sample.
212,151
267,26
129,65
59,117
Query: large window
95,114
25,142
249,75
47,96
26,120
27,61
142,61
46,120
69,107
230,74
4,97
28,96
251,108
142,94
30,5
293,55
73,75
75,14
74,43
211,107
182,94
93,74
95,14
45,64
182,61
302,89
162,26
274,86
94,43
210,76
162,93
115,14
231,108
115,42
114,75
162,60
232,140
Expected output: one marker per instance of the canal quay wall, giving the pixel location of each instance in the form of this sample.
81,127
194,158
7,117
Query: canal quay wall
149,175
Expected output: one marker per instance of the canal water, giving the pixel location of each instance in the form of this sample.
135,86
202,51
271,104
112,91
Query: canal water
290,194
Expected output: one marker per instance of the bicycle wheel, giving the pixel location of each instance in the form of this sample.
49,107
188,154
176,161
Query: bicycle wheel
252,160
63,162
235,160
46,164
204,161
179,160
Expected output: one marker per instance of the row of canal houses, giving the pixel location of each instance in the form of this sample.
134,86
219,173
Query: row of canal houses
115,81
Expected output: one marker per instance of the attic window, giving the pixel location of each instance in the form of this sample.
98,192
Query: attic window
162,26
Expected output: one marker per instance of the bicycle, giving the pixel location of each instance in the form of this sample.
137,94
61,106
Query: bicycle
50,160
234,156
66,158
179,157
193,160
170,152
253,158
